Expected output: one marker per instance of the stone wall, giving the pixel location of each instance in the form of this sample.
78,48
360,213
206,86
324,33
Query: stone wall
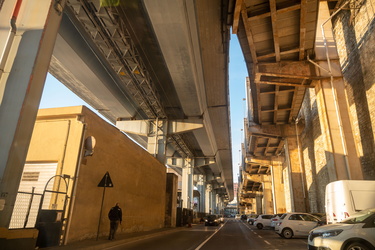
355,40
355,37
314,155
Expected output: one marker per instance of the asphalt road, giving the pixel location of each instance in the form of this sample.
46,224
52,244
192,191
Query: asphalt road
232,235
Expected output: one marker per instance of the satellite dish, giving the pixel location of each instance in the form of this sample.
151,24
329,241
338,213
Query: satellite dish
90,145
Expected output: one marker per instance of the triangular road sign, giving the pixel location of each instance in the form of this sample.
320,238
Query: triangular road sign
106,181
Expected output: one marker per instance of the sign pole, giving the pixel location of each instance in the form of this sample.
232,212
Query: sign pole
101,208
105,182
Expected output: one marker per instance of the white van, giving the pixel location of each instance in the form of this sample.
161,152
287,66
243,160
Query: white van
346,197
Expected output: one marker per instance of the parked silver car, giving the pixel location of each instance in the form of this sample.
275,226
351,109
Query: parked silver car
263,220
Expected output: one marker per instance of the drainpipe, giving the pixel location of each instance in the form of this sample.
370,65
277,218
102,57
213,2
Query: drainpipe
74,189
334,91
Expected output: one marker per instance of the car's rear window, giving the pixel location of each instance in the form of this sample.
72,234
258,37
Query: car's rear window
267,216
282,216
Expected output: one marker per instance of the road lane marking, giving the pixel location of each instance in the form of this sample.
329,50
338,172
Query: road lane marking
254,232
204,242
267,242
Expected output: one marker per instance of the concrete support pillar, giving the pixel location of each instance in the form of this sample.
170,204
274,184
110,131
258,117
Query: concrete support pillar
267,196
157,139
208,198
296,171
258,201
202,191
187,183
218,204
27,38
213,202
253,205
221,206
277,187
333,111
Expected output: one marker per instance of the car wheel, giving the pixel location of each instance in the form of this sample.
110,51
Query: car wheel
281,235
287,233
357,246
259,226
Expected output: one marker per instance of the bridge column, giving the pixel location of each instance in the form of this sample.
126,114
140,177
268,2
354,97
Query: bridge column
220,205
258,201
187,183
277,187
333,111
26,44
267,196
202,190
213,202
157,139
297,183
208,207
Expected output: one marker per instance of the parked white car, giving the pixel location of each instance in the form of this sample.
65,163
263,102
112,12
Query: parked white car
296,224
356,232
251,218
263,220
275,219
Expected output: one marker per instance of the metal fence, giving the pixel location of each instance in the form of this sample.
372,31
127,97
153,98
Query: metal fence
25,210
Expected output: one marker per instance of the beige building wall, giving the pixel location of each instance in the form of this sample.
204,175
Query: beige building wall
139,180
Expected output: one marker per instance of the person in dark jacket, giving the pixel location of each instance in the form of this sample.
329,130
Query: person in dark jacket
115,217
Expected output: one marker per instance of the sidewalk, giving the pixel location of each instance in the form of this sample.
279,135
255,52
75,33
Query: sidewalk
103,242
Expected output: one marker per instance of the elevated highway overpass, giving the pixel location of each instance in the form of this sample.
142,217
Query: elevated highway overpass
157,70
290,50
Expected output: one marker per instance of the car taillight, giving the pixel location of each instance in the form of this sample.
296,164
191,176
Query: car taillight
274,219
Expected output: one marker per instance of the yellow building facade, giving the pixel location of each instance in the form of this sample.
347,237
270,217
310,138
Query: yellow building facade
83,148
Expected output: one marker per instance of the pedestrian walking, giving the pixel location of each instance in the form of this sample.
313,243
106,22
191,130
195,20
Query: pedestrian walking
115,217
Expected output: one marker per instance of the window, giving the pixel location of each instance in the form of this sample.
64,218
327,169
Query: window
283,216
306,217
295,217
